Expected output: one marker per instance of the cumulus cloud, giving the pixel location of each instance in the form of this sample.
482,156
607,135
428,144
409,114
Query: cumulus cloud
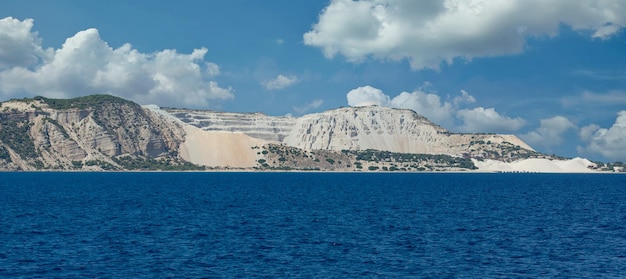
426,104
19,47
85,64
212,69
550,131
367,96
280,82
586,133
308,106
441,111
430,32
464,98
610,143
487,120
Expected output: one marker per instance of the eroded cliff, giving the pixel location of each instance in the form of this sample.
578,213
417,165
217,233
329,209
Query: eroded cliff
88,133
361,128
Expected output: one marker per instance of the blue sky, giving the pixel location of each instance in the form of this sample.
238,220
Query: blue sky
552,72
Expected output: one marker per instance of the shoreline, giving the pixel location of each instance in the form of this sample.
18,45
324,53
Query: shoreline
306,171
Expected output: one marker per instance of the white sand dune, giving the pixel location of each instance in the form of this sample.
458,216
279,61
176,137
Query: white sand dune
219,149
576,165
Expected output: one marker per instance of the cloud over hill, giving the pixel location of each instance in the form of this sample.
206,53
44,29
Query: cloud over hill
86,64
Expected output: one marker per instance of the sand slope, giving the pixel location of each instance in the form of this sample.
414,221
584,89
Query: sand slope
219,149
576,165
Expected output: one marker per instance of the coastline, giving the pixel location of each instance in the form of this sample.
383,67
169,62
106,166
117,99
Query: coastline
309,171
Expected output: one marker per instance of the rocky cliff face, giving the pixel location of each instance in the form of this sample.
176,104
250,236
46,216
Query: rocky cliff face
395,130
368,128
361,128
94,132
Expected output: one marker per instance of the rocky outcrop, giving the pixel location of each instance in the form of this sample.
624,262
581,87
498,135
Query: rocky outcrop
94,132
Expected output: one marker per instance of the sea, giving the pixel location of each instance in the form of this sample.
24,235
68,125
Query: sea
311,225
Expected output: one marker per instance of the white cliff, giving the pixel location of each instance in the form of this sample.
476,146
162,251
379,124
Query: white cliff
388,129
256,125
356,128
367,128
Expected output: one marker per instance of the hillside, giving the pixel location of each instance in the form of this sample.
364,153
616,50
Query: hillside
361,128
102,132
98,132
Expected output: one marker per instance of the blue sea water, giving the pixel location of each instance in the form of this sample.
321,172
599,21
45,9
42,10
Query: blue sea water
225,225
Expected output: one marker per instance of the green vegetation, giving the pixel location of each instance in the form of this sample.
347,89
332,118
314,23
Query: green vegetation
4,153
102,164
37,164
16,135
91,101
77,164
386,156
281,157
138,163
56,124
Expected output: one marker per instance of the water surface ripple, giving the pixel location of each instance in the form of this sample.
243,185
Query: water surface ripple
144,225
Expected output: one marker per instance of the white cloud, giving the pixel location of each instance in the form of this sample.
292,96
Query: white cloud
586,133
19,47
442,112
212,69
280,82
426,104
612,97
367,96
606,31
487,120
464,98
588,100
86,64
610,143
550,131
601,74
308,106
433,31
